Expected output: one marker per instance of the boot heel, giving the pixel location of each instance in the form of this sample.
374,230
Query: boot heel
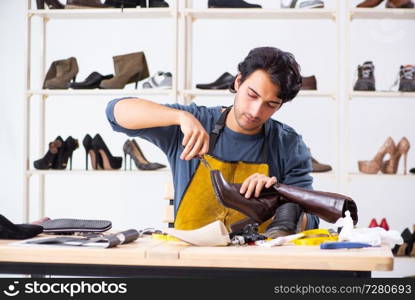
130,163
40,4
125,161
136,84
70,162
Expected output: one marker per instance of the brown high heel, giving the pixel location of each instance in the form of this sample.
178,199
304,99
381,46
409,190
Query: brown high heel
391,166
373,166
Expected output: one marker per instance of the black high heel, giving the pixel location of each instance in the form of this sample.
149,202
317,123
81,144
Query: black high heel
65,154
51,4
109,162
133,150
49,159
96,160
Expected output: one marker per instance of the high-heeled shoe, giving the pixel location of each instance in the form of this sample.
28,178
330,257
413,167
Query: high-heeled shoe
373,166
51,4
132,149
65,154
109,162
96,160
60,73
49,159
128,68
391,166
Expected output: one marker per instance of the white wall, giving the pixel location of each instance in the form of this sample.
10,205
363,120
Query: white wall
136,201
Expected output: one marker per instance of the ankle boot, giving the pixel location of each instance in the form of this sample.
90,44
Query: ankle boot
64,71
85,4
49,159
399,4
366,77
369,3
328,206
51,4
128,68
285,221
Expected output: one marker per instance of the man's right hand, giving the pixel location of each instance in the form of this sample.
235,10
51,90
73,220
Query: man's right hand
195,138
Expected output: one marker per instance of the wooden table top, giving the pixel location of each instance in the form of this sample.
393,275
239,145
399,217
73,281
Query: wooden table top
148,251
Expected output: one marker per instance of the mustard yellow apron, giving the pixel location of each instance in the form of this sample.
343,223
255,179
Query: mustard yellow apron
199,205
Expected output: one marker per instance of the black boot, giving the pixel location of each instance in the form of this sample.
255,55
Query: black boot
91,82
285,221
50,157
231,4
65,154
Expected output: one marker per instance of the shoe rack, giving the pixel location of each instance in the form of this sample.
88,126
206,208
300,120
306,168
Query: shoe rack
47,17
189,16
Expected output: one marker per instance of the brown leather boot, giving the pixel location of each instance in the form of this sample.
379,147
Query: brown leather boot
61,73
399,4
128,68
85,4
328,206
369,3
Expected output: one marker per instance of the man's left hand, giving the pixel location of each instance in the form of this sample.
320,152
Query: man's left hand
255,183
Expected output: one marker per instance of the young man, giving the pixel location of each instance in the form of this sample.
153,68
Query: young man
242,141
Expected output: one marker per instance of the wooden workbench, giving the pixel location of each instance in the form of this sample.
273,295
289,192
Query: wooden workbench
148,257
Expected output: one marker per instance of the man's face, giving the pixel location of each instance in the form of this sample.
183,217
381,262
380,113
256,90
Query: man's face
255,102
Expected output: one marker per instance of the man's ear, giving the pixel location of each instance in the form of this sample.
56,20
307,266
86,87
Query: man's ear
237,82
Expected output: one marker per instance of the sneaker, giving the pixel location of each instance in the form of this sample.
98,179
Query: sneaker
160,80
366,77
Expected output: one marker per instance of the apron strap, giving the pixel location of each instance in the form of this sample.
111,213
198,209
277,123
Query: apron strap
219,125
217,130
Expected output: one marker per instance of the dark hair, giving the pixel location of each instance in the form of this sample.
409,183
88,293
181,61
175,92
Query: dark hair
281,67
